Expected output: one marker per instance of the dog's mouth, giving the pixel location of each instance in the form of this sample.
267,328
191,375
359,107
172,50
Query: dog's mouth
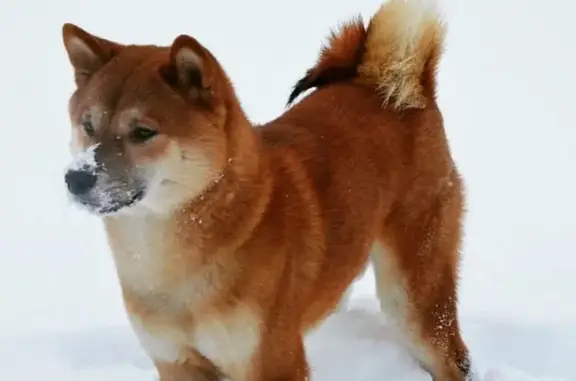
109,204
113,207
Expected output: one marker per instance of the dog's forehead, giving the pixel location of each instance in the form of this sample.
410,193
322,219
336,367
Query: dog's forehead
124,87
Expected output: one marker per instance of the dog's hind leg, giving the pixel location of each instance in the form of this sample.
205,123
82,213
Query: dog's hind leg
415,267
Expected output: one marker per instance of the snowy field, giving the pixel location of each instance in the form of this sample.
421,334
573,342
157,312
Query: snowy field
507,85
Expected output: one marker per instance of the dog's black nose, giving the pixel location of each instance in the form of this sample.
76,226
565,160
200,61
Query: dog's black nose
79,182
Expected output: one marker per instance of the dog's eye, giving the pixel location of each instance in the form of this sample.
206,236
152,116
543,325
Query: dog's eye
88,128
141,134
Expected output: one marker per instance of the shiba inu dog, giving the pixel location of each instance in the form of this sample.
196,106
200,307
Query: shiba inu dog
232,241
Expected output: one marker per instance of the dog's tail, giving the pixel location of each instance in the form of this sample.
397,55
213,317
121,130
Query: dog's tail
397,54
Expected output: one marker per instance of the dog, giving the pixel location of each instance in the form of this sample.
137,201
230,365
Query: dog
232,241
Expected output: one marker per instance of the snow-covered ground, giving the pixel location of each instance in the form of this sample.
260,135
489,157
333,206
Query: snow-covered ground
506,87
355,345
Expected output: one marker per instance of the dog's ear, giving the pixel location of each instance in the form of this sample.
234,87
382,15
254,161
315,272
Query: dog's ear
87,53
191,70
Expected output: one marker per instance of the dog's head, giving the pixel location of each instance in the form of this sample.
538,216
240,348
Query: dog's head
149,124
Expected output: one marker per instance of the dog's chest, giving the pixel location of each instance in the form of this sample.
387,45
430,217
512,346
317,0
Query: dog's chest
154,265
169,299
143,252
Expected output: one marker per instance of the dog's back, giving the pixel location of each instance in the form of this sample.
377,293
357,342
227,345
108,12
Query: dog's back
373,114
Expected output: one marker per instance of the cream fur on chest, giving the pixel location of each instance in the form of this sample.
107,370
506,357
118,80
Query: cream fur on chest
152,268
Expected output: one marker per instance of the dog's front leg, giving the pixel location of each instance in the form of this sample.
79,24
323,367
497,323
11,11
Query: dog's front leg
195,368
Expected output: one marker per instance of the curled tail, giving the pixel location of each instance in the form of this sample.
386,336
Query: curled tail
397,54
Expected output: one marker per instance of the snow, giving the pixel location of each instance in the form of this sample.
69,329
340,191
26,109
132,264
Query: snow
84,159
506,90
351,345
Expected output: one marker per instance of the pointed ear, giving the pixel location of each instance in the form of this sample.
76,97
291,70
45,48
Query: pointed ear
191,69
87,53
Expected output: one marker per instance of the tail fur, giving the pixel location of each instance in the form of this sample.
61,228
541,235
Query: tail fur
338,59
397,54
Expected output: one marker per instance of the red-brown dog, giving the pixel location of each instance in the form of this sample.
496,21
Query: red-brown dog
231,242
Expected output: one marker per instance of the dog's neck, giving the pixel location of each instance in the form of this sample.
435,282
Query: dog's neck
230,208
